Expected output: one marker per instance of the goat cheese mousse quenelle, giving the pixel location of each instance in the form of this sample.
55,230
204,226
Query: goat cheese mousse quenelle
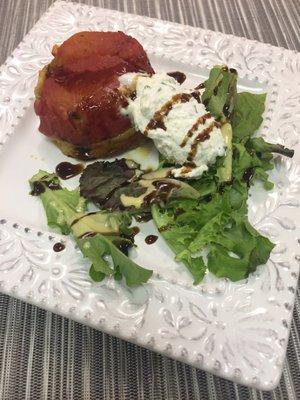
176,120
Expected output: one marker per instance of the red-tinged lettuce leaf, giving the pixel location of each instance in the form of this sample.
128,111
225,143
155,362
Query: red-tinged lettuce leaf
104,184
133,189
101,179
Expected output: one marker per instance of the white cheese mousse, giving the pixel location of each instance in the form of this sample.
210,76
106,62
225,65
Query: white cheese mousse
176,120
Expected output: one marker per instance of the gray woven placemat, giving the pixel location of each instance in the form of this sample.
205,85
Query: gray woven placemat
44,356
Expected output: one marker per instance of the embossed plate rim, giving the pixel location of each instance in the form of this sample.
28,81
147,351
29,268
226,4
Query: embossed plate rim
64,287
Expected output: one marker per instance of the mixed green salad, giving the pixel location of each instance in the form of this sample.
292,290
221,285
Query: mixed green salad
204,221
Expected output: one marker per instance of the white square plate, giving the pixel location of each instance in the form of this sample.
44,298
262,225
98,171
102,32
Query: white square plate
235,330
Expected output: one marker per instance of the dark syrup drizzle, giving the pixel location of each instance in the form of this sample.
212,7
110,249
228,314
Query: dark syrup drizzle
200,86
150,239
204,135
162,192
58,247
248,175
143,217
158,117
163,228
180,77
39,187
123,246
200,121
82,216
66,170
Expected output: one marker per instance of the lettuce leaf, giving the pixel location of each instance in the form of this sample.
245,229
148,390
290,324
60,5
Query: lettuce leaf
220,92
178,236
98,235
97,247
247,115
233,250
220,229
62,206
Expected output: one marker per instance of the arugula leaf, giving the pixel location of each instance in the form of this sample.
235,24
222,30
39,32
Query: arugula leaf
247,115
243,160
259,145
205,186
248,166
97,234
235,197
257,155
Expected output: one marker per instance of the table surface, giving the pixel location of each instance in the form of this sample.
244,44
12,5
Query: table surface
44,356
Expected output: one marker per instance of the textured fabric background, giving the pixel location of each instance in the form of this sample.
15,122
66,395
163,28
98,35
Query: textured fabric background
43,356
